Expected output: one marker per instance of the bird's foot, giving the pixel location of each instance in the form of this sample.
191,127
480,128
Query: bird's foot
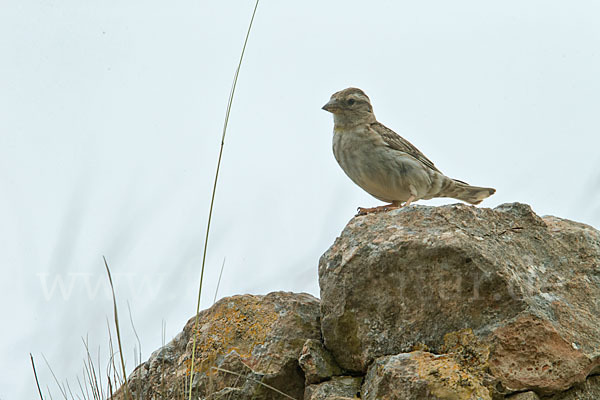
372,210
386,207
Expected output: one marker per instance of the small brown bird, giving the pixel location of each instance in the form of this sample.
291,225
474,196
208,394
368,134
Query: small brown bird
385,164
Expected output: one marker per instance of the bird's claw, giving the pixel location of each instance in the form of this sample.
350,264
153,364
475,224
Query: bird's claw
365,211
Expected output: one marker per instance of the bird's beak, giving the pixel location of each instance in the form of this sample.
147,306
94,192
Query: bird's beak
331,106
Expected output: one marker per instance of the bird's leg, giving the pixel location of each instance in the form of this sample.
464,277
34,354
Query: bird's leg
410,200
385,207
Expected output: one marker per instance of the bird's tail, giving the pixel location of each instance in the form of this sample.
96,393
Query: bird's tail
463,191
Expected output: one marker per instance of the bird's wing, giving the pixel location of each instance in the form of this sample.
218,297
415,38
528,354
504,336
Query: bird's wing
397,142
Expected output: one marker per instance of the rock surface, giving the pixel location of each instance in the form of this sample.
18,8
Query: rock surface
257,338
588,390
528,287
421,375
452,302
338,388
317,363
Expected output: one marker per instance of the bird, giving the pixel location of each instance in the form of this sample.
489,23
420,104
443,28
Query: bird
383,163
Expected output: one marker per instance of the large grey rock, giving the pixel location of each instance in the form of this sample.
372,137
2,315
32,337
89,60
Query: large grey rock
249,339
528,287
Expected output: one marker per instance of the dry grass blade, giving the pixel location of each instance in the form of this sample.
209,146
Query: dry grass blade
219,281
100,384
49,394
112,288
69,389
254,380
93,378
212,200
136,355
112,373
139,342
62,390
36,378
83,389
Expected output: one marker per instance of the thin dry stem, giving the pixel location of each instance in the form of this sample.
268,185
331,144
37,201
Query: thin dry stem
36,377
219,281
112,288
62,391
212,200
255,381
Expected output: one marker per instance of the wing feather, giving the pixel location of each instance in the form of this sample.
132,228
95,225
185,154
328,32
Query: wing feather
397,142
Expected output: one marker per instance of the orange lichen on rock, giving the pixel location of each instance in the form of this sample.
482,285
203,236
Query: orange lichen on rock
447,379
239,324
421,374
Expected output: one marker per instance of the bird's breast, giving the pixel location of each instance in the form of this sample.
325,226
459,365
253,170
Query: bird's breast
385,173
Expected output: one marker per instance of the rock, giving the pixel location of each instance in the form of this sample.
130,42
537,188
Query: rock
530,353
524,396
446,303
527,287
317,363
229,393
588,390
338,388
421,376
249,339
473,357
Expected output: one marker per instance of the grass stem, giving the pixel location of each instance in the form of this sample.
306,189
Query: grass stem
214,190
36,378
127,394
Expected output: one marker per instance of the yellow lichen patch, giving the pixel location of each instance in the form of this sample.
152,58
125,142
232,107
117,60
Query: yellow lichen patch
239,324
447,380
467,349
420,346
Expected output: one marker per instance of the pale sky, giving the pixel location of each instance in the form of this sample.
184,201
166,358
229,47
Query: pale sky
110,123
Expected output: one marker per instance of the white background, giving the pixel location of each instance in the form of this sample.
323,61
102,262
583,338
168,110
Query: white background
110,122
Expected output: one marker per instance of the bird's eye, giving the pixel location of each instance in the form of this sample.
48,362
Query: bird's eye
351,102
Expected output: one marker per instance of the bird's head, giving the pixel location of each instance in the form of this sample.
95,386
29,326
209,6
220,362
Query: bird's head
350,106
